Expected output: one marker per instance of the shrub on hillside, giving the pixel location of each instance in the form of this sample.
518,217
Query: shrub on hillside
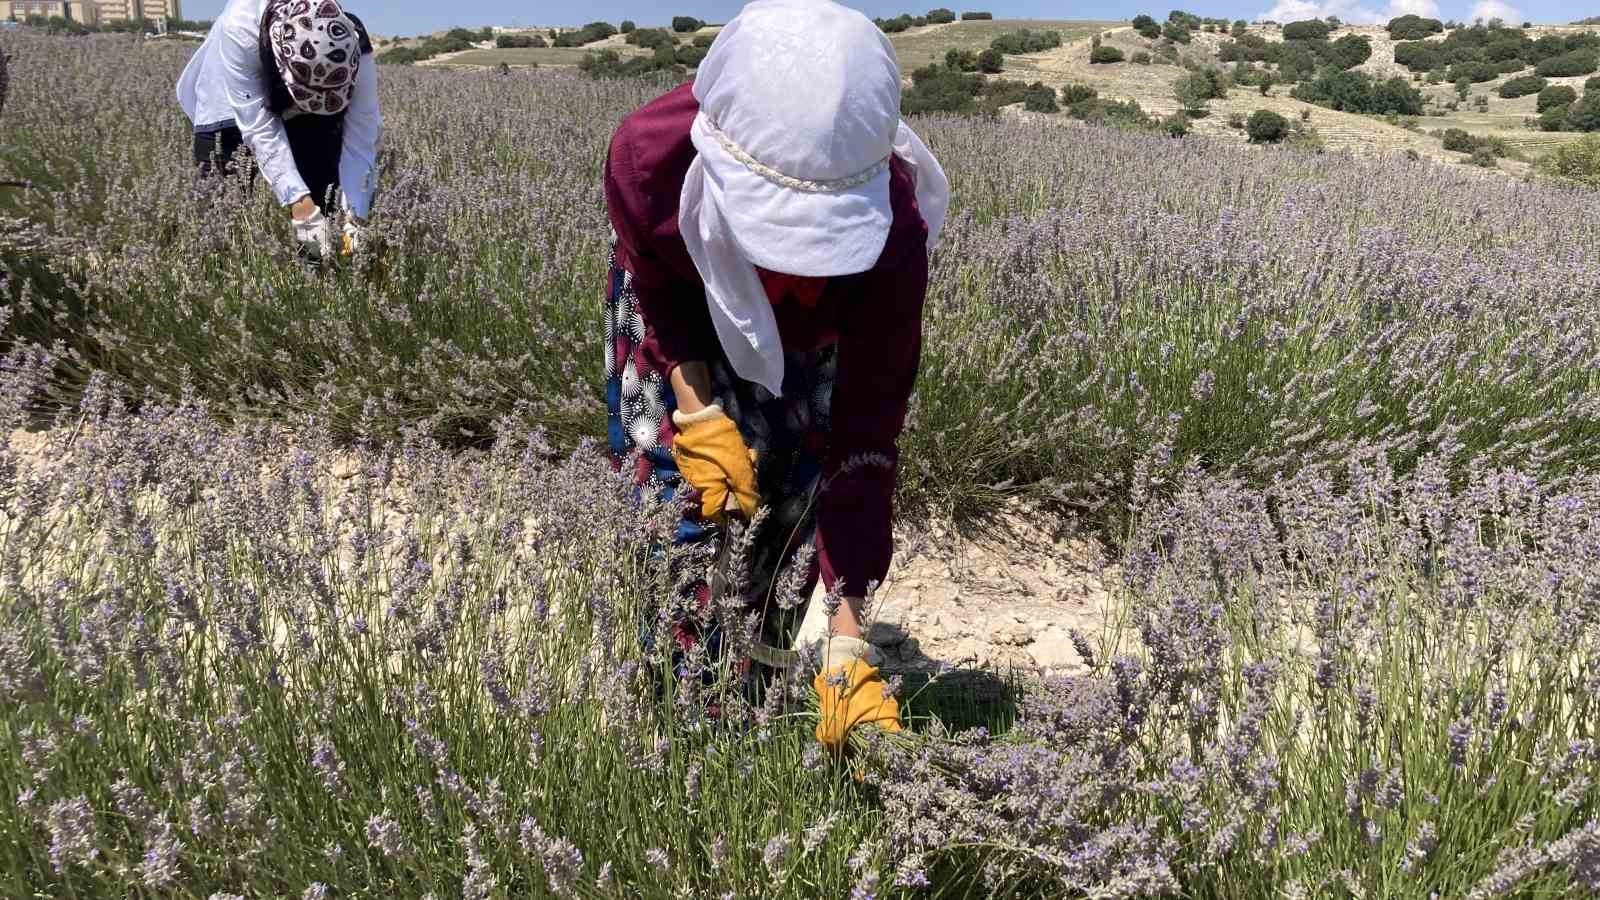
1176,33
588,34
606,64
1175,125
1103,54
1353,91
1122,114
1074,94
1554,118
961,60
1308,30
1473,72
1000,92
689,56
1040,98
398,56
1195,89
1578,162
686,24
1140,58
1266,127
1585,114
1484,157
941,16
977,16
1592,84
1458,141
935,88
651,38
1578,62
705,40
1349,51
1413,28
991,62
1147,27
519,41
627,27
1026,40
1522,87
1395,96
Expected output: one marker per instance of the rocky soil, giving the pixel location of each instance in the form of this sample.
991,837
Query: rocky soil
1004,599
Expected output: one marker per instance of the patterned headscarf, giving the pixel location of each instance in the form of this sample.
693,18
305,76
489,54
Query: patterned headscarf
318,53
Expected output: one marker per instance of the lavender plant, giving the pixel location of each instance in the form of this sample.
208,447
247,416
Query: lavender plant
403,635
1101,298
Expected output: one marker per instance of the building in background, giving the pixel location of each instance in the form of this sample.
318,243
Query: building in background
85,11
123,10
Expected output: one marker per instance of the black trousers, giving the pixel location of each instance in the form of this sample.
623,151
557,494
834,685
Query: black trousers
317,143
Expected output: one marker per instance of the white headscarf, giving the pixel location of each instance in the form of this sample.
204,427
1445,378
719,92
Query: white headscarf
799,114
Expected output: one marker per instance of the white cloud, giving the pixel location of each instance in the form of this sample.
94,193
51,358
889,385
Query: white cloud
1428,9
1496,9
1354,13
1348,11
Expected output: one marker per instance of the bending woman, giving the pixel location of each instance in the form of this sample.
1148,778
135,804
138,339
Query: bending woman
773,222
295,81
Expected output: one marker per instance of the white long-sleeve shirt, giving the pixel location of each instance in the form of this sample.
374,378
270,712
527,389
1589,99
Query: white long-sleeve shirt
225,83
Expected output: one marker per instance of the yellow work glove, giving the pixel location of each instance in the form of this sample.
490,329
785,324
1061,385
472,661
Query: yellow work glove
713,458
851,693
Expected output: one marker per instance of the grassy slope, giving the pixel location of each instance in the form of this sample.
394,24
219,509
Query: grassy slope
920,46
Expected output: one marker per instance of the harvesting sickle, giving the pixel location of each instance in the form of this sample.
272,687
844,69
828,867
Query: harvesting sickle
773,222
296,83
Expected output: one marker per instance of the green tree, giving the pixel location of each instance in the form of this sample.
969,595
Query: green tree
1105,54
1349,51
1193,91
1040,98
1555,118
1585,114
1308,30
1577,162
1266,127
1522,87
1578,62
961,60
627,26
991,62
941,16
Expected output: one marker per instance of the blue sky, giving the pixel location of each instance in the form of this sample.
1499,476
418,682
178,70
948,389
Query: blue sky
415,16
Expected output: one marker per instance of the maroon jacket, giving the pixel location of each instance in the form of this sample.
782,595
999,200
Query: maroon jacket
875,318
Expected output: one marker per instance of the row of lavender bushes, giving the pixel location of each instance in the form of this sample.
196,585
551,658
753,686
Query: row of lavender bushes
1099,295
1340,406
256,660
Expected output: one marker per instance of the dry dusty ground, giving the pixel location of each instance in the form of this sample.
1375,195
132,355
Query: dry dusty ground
1006,598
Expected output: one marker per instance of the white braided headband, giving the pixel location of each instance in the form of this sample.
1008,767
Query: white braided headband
829,186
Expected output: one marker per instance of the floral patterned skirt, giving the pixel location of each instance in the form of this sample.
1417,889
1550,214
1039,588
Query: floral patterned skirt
788,434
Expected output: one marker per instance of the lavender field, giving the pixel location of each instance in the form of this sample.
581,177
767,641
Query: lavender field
313,584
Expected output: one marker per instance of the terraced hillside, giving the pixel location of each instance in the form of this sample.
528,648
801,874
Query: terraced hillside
1151,86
